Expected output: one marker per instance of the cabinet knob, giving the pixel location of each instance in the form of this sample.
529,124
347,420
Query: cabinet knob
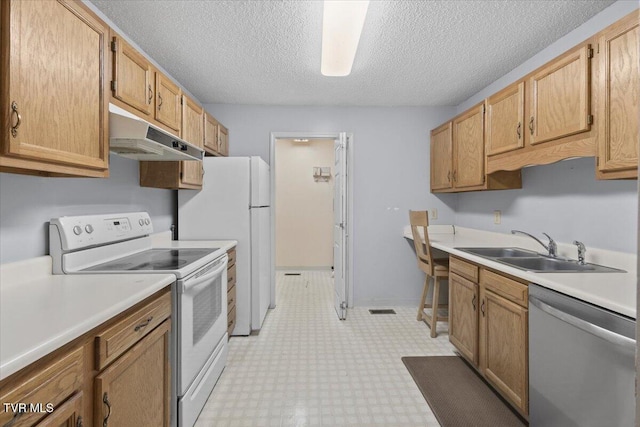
14,111
482,308
473,303
160,102
150,94
519,130
449,176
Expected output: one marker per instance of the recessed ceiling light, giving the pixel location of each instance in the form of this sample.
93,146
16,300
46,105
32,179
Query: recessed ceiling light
300,140
342,24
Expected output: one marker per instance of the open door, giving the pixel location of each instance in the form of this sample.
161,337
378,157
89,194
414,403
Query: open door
340,226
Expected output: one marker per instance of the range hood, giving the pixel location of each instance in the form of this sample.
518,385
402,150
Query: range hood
132,137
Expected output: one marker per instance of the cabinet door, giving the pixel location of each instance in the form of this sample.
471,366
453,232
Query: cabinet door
211,134
69,414
192,122
223,140
191,173
441,157
560,97
134,390
131,81
168,109
504,331
619,96
468,148
54,104
505,120
463,316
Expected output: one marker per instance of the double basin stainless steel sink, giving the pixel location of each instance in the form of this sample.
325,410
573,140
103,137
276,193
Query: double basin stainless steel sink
532,261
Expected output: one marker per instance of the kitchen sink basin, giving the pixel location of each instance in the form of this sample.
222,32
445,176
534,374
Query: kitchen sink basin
499,252
543,264
524,259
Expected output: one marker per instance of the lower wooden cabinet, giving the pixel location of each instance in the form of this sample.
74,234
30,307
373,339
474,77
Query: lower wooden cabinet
132,388
69,414
135,389
463,316
504,334
488,324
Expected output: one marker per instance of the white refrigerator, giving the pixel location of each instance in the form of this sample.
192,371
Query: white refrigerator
234,205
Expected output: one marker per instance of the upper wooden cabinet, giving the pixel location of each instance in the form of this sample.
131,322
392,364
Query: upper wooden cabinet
192,122
619,92
560,97
216,137
505,120
184,174
52,89
468,148
168,105
138,87
132,79
458,156
223,138
441,157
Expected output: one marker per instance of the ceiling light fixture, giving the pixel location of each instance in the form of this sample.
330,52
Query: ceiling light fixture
300,140
342,24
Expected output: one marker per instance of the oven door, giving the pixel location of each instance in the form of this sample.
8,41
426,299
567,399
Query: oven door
202,311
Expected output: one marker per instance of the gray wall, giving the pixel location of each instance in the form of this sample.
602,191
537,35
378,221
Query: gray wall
391,171
563,199
27,203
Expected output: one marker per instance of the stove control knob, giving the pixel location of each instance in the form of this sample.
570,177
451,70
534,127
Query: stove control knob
141,222
89,229
147,221
77,230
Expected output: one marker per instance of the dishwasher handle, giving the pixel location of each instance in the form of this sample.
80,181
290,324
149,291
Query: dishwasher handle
596,330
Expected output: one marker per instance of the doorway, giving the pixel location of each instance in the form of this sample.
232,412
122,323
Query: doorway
304,173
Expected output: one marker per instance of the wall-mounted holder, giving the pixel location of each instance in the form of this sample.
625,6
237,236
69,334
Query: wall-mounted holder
321,174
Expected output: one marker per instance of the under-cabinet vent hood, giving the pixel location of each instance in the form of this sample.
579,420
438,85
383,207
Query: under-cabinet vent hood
132,137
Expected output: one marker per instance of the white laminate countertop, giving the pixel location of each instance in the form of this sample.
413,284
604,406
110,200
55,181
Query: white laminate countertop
613,291
40,312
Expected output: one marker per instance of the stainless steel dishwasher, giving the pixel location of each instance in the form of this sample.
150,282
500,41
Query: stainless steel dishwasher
581,363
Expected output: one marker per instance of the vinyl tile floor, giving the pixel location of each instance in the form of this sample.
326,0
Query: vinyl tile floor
307,368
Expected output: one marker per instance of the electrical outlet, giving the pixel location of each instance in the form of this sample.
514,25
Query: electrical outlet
497,217
434,213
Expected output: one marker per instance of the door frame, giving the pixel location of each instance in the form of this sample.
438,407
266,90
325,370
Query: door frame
349,202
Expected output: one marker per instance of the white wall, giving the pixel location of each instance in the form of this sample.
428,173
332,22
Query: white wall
27,203
304,206
563,199
391,176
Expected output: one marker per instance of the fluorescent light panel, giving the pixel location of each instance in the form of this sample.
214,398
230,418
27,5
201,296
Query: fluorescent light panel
342,24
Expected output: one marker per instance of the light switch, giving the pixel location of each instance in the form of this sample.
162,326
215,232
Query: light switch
497,217
434,213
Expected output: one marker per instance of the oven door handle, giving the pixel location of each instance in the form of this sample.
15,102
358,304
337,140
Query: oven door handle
588,327
192,283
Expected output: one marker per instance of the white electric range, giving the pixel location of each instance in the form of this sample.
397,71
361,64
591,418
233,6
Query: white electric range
121,243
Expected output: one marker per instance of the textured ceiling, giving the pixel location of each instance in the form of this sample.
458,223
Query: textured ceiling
411,52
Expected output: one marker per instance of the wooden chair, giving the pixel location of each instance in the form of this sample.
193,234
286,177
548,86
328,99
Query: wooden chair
436,269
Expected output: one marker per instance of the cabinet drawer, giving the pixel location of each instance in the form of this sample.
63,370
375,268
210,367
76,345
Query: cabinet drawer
231,277
505,287
231,254
465,269
231,299
52,383
231,320
117,339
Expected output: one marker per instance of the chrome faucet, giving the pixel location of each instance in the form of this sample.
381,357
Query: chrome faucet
581,251
552,247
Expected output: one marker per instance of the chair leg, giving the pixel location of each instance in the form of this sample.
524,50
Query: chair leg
425,291
434,305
